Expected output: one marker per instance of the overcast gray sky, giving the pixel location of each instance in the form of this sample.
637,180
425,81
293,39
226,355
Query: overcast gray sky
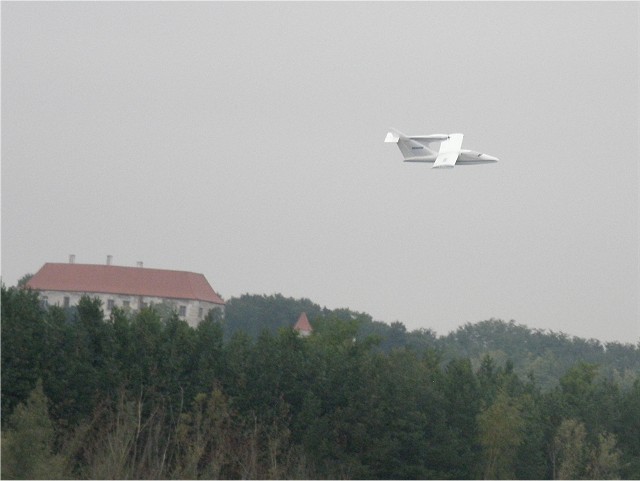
245,141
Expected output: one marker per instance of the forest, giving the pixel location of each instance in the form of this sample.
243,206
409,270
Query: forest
144,395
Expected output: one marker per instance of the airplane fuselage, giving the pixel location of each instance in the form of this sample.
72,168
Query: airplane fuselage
465,157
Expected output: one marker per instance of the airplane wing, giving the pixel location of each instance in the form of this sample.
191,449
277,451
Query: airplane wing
449,151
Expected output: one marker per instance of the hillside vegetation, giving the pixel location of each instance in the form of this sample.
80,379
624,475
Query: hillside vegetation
545,355
145,395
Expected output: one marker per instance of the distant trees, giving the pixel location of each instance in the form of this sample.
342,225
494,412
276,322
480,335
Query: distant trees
544,355
144,395
253,313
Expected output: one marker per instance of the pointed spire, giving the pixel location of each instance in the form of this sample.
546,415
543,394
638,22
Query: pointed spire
303,326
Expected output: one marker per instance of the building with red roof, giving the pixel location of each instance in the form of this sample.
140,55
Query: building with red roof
303,326
131,288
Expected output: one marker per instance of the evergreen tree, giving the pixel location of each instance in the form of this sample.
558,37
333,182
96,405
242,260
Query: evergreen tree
28,441
23,339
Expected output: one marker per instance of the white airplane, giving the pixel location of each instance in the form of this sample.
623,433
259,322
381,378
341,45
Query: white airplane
425,148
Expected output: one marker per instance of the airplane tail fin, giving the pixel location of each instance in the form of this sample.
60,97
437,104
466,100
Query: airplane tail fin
414,148
394,136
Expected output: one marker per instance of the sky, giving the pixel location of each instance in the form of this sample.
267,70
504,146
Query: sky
245,141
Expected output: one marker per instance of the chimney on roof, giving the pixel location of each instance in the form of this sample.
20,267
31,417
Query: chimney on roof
72,258
139,263
109,259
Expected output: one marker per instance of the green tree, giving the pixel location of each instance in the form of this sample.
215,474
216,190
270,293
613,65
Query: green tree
22,282
604,462
209,351
593,401
205,439
28,441
177,367
62,372
627,429
532,456
500,429
144,351
24,334
569,451
463,402
84,366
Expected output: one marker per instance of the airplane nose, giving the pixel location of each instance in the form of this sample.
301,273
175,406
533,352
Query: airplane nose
490,158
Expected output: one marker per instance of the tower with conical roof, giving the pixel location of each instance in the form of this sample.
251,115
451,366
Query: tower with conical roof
303,327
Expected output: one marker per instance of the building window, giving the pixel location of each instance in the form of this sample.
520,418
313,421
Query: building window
44,301
183,311
66,301
200,312
126,304
110,304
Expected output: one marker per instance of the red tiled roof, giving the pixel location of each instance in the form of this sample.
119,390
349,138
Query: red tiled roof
134,281
303,324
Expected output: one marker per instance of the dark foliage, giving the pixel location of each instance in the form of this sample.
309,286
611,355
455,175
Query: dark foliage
145,395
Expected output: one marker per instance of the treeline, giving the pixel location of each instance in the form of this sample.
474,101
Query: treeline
145,395
546,355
